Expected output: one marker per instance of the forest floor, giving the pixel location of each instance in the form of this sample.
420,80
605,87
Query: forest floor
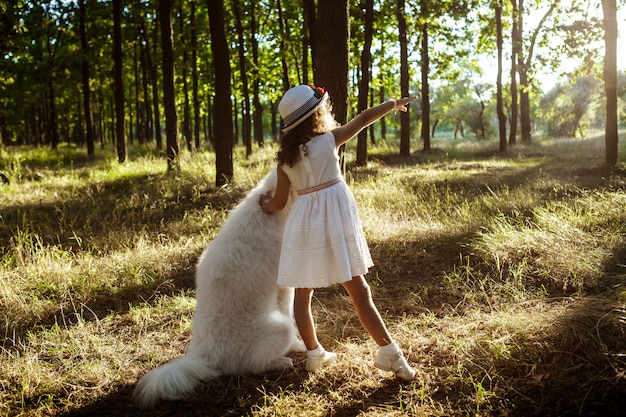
501,275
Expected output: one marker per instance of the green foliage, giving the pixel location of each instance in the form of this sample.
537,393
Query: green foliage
570,110
40,69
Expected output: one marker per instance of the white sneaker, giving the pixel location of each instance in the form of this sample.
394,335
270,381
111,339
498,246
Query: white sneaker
395,363
318,357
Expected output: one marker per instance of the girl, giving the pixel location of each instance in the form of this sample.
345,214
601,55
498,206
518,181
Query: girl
323,242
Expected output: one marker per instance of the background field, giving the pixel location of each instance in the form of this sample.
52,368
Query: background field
501,275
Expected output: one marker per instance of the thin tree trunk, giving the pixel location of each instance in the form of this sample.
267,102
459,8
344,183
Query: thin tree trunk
372,128
246,120
305,43
425,134
523,68
194,75
184,73
139,115
86,89
256,101
222,113
383,120
364,86
155,89
405,121
146,110
310,17
120,138
169,92
283,60
499,104
515,47
609,10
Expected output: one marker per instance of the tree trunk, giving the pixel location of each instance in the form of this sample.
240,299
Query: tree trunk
425,82
331,61
609,10
364,86
138,114
169,92
283,35
184,77
523,68
120,138
499,104
256,101
310,17
515,47
372,126
194,75
222,110
146,110
86,89
432,130
405,121
383,121
524,102
246,120
155,90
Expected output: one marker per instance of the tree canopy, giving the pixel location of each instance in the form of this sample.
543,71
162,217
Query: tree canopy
62,64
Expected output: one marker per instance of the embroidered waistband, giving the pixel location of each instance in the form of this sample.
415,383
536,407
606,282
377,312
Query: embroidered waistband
319,187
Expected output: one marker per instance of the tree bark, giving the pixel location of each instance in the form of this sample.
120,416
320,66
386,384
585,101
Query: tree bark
169,91
364,85
85,75
155,90
310,17
523,67
186,125
425,82
194,75
283,35
256,101
120,138
405,121
222,109
499,104
609,10
246,120
331,61
515,47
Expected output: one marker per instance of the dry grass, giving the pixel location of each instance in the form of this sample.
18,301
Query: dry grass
502,276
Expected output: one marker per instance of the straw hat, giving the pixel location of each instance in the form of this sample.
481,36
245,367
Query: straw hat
298,103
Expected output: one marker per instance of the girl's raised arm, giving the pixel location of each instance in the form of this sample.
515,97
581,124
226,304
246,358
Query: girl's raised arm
367,117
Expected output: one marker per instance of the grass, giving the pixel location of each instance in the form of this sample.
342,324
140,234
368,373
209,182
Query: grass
501,275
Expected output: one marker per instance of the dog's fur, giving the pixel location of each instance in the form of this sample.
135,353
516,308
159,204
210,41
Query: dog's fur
243,322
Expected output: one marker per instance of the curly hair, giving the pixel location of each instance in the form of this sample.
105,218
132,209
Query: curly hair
320,122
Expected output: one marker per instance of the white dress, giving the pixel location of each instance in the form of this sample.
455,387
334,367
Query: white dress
323,242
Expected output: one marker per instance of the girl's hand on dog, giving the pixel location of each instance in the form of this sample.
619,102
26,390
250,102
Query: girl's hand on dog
264,200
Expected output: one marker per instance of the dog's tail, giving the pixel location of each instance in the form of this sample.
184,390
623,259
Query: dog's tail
173,380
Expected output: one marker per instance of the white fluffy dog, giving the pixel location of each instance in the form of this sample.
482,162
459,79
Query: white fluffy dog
243,322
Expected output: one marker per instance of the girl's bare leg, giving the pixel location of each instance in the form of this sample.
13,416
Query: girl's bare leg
361,295
304,317
316,355
390,357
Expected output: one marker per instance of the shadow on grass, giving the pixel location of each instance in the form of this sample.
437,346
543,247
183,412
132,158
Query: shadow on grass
581,369
244,395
